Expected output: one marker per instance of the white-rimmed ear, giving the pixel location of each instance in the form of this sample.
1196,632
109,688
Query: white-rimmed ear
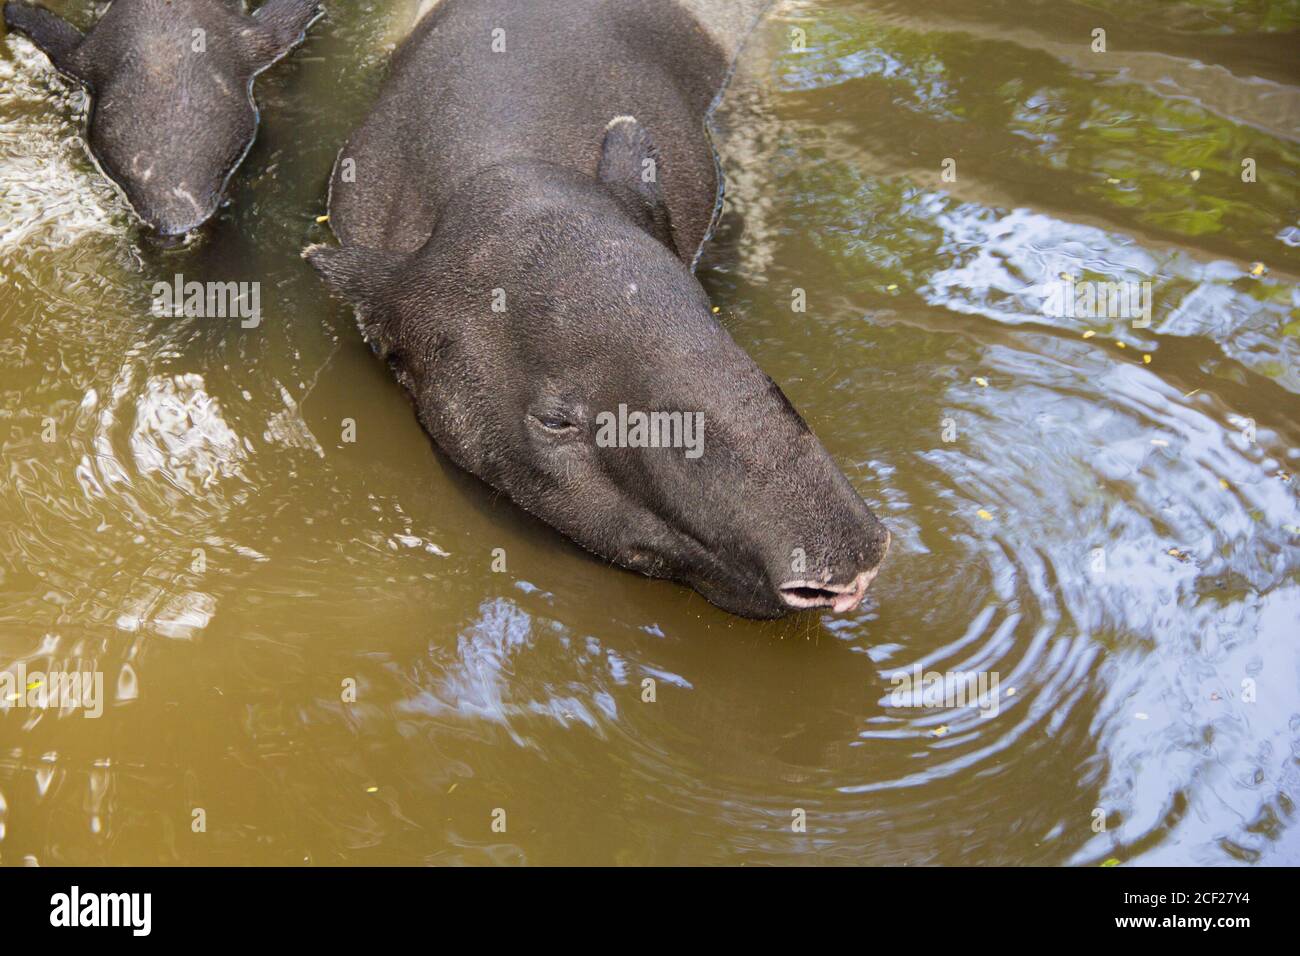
630,166
280,26
56,37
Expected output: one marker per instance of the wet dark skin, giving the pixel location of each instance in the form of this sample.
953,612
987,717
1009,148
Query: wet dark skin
510,258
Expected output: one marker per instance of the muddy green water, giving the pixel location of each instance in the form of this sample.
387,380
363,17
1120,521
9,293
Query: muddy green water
1108,522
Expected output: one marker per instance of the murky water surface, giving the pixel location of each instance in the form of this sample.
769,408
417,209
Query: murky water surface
1100,515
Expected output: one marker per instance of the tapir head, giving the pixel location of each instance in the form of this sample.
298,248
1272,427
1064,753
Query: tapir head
557,347
172,115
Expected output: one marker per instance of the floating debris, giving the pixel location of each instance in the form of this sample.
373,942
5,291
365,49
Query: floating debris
1178,553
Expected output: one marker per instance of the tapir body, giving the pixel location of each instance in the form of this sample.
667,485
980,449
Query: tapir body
172,111
519,218
560,71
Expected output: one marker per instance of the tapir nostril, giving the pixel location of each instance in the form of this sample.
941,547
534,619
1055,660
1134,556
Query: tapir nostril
167,238
819,591
838,597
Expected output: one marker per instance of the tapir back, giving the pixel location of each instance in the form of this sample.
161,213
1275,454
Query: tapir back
480,82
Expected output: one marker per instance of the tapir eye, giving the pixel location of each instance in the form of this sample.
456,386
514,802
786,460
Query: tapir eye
556,424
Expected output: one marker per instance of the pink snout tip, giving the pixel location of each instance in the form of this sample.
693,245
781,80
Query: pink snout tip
805,593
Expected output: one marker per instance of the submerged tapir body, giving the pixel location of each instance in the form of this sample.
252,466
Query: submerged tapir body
172,112
519,216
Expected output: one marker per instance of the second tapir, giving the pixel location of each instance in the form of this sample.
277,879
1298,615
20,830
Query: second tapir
172,111
519,217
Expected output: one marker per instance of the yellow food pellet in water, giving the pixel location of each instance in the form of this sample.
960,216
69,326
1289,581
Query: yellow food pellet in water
1146,358
984,514
1258,269
322,218
1112,181
891,287
1089,334
372,789
716,310
1223,483
981,382
939,731
1196,175
1120,345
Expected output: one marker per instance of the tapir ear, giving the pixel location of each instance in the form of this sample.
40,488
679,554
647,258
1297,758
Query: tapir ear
57,38
360,275
629,164
280,25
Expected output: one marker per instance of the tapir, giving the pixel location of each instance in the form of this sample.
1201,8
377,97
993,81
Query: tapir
172,113
518,219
